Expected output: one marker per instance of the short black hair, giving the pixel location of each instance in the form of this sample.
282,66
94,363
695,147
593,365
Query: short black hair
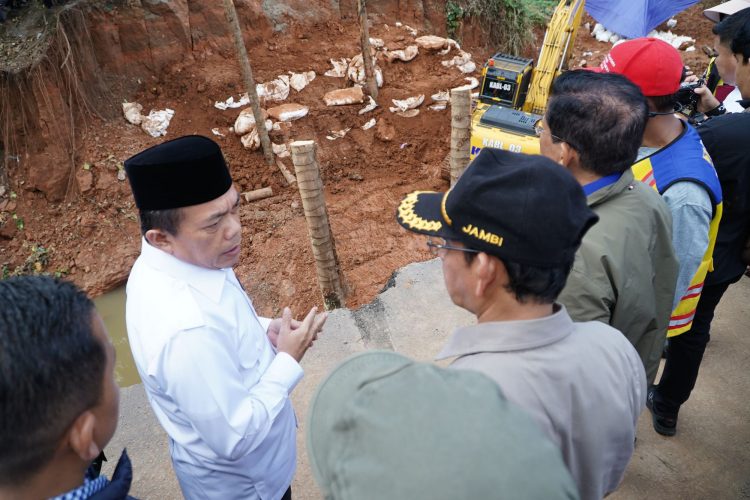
51,369
531,284
601,115
167,220
730,26
741,41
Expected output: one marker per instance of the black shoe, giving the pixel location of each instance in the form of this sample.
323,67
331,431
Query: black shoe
666,425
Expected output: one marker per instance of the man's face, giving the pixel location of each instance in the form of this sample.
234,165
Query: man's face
742,76
109,404
725,62
209,234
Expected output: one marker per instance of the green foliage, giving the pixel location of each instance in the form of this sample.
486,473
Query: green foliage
507,24
35,264
453,15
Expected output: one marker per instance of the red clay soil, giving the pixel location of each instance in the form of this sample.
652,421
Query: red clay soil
95,238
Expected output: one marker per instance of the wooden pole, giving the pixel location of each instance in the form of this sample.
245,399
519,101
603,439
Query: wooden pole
258,194
247,75
290,180
364,33
460,131
313,202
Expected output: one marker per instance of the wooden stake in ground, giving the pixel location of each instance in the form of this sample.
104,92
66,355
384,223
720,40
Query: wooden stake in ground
364,33
313,201
247,75
460,131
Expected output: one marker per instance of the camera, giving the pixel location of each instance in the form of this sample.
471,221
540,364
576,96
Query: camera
686,98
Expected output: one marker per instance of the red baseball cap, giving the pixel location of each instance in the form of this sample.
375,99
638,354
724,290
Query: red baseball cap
652,64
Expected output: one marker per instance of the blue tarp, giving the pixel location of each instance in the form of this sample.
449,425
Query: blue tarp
634,18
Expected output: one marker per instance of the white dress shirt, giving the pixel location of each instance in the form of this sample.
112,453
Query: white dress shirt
215,382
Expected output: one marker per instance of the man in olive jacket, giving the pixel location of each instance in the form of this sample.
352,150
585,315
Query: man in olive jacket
625,270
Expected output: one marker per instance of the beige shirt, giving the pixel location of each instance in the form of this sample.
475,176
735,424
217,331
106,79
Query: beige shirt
583,383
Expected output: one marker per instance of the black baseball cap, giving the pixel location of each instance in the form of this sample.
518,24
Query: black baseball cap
523,208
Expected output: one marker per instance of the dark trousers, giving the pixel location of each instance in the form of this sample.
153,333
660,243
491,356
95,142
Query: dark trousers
288,494
685,353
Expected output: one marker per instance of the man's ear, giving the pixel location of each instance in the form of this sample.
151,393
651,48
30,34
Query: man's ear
81,436
159,239
484,268
568,155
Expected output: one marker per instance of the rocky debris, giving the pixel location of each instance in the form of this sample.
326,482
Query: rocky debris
408,28
402,105
462,61
251,140
356,71
288,112
432,42
337,134
409,113
156,123
132,112
339,68
299,81
246,121
341,97
218,132
280,150
370,106
275,90
405,55
473,83
231,103
378,43
85,180
440,100
371,123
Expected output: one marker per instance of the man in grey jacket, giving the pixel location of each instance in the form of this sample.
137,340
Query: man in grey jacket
625,271
507,234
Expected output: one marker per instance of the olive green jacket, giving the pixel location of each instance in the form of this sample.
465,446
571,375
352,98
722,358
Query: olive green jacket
626,269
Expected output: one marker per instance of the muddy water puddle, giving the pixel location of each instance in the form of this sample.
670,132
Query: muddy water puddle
111,307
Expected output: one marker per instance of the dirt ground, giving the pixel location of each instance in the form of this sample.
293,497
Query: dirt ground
95,238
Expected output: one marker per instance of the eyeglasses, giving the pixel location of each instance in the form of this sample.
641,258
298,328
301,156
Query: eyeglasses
539,130
435,247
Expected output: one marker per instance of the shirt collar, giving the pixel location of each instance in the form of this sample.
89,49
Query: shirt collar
745,103
601,183
506,336
209,282
604,193
89,488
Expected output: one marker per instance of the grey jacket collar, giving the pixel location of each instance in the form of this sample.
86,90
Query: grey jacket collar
505,336
604,194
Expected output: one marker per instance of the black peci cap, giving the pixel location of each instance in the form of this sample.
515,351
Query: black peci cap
182,172
523,208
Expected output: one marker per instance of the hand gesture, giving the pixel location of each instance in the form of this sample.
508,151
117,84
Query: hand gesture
296,341
707,101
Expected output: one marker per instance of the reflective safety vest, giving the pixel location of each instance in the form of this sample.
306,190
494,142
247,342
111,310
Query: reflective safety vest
685,159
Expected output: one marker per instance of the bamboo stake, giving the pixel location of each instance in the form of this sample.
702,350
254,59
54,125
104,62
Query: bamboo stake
258,194
247,75
313,201
460,131
364,32
290,179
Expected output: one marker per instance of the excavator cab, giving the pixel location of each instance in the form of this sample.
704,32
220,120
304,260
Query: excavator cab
514,93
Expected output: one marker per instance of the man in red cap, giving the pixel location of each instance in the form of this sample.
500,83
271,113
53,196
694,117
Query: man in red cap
673,161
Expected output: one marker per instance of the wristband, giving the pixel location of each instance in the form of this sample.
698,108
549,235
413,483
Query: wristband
717,111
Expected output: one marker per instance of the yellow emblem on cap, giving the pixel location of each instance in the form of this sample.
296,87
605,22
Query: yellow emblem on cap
410,218
443,210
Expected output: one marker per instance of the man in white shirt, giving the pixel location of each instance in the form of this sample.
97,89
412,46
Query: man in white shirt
217,375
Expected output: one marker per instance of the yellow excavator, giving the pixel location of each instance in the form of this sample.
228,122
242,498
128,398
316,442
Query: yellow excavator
514,93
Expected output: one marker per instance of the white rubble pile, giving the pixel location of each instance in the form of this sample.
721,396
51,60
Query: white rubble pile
462,61
473,83
406,107
251,140
288,112
371,123
276,90
370,106
154,124
680,42
440,100
405,55
231,103
378,43
342,97
245,122
356,71
299,81
408,28
339,68
280,150
432,42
